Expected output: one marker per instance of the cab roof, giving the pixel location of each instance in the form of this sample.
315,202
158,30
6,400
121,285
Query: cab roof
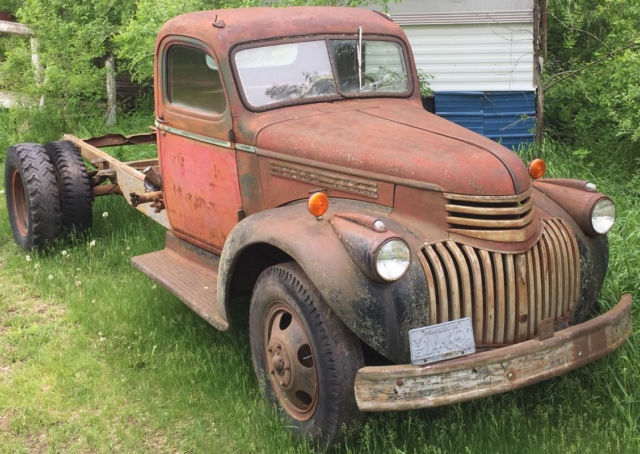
225,28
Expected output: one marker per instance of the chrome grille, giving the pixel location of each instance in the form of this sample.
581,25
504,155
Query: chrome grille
497,218
506,295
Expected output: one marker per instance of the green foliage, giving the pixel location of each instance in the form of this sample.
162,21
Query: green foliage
74,38
16,71
136,39
593,74
41,125
10,6
423,79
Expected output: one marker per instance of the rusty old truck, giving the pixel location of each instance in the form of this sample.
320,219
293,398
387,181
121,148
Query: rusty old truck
388,259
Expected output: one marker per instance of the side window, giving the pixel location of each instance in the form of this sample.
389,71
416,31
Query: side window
193,80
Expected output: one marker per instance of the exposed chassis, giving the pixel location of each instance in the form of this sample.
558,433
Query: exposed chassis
117,177
407,387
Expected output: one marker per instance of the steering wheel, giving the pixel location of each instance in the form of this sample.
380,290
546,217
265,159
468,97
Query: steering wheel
323,85
350,83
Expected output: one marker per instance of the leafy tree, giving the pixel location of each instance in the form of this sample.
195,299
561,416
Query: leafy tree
592,78
137,37
10,6
76,37
73,40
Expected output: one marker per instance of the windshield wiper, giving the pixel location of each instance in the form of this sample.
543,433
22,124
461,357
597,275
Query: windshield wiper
359,55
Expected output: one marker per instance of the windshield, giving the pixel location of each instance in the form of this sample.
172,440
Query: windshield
305,70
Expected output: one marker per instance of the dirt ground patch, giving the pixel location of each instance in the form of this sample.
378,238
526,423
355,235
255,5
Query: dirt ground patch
4,424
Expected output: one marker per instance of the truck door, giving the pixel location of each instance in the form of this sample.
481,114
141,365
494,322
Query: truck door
197,161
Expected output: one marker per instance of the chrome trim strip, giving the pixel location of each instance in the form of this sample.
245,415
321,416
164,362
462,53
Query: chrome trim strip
247,148
193,135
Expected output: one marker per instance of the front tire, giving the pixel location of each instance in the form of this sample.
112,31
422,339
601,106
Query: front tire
32,196
304,354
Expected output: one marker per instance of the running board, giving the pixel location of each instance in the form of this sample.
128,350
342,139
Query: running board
188,272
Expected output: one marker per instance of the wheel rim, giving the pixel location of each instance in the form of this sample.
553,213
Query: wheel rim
290,362
19,202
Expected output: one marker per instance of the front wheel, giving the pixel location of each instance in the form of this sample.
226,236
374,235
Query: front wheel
304,354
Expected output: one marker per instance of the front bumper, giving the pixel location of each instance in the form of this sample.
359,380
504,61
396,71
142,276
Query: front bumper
407,387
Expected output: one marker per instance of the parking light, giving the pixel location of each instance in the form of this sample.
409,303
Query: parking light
318,204
537,168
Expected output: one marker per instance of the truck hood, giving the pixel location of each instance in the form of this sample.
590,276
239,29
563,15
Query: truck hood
399,139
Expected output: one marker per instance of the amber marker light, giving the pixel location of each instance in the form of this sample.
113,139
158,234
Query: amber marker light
537,168
318,204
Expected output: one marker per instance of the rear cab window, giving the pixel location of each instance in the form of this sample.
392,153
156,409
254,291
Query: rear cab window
193,80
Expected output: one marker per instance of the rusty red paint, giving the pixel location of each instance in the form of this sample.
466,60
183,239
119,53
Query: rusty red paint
577,201
201,188
374,135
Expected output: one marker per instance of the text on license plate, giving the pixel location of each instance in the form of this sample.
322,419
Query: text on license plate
442,341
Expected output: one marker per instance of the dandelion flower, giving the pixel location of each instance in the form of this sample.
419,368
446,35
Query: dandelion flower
28,258
64,253
92,243
36,265
78,283
105,214
50,277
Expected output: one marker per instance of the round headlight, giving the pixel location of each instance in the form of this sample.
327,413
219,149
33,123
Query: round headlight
603,216
392,259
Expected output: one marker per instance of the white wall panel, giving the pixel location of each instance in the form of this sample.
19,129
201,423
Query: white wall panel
475,57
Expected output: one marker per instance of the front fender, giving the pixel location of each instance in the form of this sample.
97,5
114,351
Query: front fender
378,313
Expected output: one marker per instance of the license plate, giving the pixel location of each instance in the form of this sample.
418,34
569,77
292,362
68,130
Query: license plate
442,341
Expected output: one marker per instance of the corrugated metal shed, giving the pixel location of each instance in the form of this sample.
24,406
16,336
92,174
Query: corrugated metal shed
480,55
506,117
474,57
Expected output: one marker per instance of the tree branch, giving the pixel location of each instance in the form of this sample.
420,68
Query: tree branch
574,72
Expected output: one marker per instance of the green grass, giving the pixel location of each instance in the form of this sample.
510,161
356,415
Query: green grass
96,358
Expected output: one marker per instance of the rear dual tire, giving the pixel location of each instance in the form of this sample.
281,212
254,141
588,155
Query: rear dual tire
32,196
74,187
47,191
